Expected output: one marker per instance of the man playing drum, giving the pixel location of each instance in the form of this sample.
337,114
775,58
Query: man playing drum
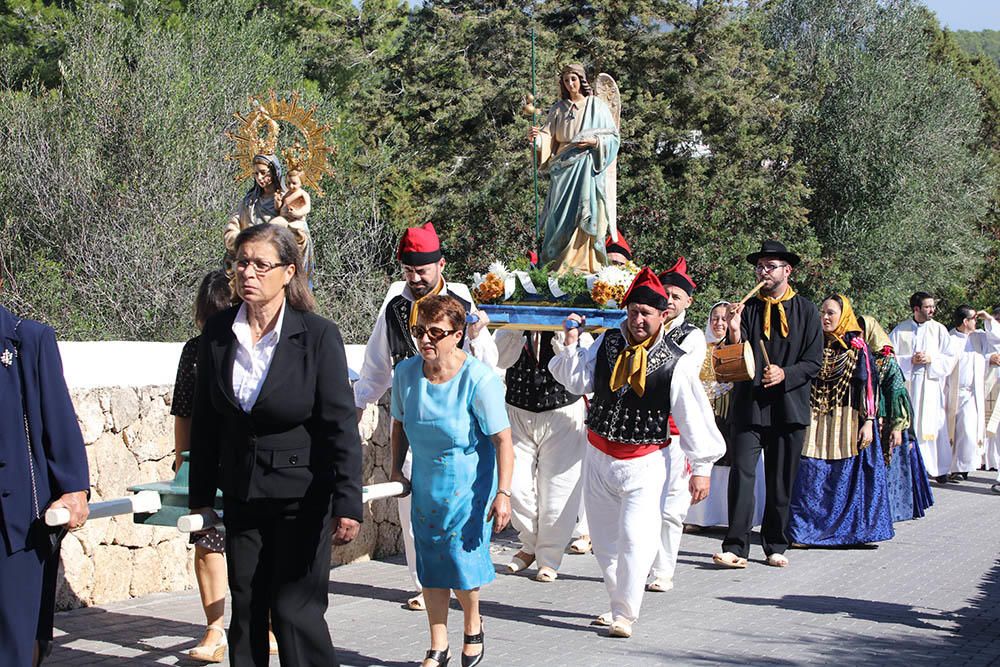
770,412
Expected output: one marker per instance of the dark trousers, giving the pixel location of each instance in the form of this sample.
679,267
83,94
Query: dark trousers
782,447
27,598
278,557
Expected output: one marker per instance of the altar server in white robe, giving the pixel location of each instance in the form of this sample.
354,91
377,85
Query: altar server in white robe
966,387
639,378
923,350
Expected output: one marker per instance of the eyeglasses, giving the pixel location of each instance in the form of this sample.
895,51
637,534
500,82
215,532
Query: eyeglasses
434,333
260,267
767,268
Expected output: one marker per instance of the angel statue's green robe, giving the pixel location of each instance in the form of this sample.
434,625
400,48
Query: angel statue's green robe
580,206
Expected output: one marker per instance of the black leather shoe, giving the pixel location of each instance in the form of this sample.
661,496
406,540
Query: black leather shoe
995,488
441,657
472,660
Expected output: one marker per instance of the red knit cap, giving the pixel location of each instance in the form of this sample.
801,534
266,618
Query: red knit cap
620,246
646,289
419,246
678,277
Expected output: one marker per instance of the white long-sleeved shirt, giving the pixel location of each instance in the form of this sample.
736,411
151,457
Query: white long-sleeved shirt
700,439
376,371
251,363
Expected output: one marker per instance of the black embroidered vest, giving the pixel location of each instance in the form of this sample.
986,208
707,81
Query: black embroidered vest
397,326
530,385
679,333
623,416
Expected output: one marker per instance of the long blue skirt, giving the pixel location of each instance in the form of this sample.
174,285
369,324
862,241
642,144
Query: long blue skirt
899,479
923,497
841,502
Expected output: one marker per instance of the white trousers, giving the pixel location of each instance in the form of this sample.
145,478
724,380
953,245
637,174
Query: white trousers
403,504
967,421
546,488
624,500
937,453
674,508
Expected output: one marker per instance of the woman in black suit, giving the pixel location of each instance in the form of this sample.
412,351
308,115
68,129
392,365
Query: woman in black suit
274,427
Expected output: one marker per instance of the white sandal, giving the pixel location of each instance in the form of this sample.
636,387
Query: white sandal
777,560
520,561
546,574
660,585
620,627
211,652
604,620
581,545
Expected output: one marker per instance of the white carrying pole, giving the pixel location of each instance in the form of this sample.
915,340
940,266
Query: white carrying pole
192,523
144,502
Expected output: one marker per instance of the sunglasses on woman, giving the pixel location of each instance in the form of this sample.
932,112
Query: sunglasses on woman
434,333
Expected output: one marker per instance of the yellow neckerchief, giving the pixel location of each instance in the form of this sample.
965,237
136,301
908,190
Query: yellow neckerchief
848,323
415,308
630,366
768,302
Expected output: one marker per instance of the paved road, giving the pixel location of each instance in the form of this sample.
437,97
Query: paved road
930,596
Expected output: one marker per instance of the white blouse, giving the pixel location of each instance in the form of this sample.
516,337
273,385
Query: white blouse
252,361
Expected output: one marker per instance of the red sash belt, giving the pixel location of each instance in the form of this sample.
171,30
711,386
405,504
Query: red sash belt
620,450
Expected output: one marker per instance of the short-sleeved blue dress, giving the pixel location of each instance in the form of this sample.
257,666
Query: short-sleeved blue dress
454,476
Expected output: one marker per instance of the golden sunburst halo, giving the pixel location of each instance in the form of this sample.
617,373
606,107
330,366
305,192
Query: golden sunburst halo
266,117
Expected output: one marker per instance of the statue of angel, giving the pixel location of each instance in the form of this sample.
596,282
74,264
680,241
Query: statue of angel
578,146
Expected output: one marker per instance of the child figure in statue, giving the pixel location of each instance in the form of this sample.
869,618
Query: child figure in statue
293,206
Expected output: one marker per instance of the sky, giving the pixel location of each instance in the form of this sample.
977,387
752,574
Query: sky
967,14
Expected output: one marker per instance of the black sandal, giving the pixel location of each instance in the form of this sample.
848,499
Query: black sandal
473,660
440,657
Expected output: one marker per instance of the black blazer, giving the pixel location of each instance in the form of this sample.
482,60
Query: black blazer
299,441
800,355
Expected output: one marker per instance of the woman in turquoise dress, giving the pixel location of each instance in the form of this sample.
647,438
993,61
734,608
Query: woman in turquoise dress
448,407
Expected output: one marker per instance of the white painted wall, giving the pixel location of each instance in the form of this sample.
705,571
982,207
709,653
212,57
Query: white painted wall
139,364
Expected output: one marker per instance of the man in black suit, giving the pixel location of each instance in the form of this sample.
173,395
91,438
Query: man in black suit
274,427
770,413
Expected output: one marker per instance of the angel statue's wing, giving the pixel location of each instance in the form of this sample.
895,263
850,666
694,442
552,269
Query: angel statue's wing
606,88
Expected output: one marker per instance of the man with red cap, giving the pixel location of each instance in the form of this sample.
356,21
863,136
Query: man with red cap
640,378
619,252
678,287
420,255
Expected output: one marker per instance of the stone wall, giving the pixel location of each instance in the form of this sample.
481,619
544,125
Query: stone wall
128,432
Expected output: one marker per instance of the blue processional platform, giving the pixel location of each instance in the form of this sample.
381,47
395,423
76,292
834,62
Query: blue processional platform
549,318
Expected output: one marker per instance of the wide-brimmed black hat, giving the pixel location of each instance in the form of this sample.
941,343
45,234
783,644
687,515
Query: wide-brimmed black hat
774,249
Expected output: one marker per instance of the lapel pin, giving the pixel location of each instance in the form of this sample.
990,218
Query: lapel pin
7,357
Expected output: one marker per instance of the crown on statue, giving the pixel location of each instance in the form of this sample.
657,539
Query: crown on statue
258,133
296,157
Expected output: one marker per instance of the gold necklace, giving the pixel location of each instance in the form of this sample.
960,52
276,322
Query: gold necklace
833,380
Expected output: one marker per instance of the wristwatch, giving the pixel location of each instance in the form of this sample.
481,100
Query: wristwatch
506,492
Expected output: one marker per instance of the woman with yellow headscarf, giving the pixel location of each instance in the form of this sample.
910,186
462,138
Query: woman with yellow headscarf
840,495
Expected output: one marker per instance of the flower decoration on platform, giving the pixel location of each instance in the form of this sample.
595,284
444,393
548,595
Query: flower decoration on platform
490,288
610,284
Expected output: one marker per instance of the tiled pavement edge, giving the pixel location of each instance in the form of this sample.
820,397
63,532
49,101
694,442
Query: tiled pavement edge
930,596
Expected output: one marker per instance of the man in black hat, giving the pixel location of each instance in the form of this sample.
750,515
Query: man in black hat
770,413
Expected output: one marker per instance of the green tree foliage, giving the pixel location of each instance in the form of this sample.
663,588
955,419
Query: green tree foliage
856,131
115,186
974,43
889,139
